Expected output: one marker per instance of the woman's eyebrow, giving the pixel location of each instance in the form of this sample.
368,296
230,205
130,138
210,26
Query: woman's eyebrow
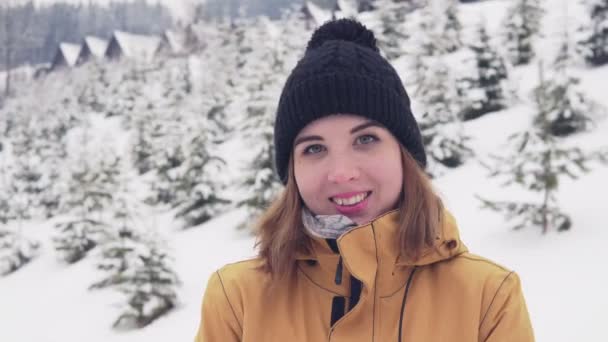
305,139
364,126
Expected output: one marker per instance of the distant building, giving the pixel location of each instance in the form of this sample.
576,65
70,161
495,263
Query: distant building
132,46
66,56
92,48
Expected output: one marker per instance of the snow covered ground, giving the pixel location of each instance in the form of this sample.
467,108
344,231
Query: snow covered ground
564,275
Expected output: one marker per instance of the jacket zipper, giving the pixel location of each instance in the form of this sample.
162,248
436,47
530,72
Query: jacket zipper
407,290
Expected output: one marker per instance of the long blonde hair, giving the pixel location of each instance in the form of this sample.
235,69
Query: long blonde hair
280,231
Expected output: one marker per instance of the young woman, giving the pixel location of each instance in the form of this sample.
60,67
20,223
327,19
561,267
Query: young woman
358,247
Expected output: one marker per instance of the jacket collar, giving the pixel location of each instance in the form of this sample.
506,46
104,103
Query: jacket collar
374,247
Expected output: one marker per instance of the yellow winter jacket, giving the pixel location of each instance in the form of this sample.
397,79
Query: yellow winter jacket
360,289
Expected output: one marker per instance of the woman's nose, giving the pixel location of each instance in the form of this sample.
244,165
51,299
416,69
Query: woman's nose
342,171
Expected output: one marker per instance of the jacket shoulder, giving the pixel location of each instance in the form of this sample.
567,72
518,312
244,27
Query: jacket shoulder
243,280
476,275
498,290
481,265
242,272
227,290
504,314
222,308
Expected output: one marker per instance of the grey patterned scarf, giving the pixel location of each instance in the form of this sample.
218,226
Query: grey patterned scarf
326,226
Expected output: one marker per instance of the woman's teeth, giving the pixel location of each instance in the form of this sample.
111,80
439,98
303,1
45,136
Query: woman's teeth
350,200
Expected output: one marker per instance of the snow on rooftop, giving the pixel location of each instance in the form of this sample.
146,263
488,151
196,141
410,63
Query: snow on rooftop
96,45
320,15
137,46
70,52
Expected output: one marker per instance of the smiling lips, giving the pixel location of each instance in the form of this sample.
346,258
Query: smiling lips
349,198
352,202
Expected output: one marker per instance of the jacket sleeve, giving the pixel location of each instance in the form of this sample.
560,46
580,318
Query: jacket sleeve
507,318
218,318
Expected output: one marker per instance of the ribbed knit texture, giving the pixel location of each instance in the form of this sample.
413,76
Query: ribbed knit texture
343,77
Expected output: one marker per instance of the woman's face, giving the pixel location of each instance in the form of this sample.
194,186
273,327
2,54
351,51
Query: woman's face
347,164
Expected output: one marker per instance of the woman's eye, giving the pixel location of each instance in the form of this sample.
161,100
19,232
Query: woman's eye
366,139
312,149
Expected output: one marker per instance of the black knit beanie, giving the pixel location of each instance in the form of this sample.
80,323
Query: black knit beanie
342,72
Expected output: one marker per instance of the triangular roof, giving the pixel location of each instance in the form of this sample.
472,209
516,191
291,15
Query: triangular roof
70,52
97,46
66,55
134,46
92,46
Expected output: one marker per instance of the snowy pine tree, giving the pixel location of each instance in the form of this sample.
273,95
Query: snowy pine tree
126,95
391,35
6,168
123,229
142,148
52,150
441,130
390,27
5,207
428,40
595,43
218,79
37,150
537,161
92,96
451,26
25,182
15,250
174,135
437,33
156,140
264,80
135,263
521,24
200,189
161,130
166,173
568,109
261,184
423,45
91,186
150,286
485,92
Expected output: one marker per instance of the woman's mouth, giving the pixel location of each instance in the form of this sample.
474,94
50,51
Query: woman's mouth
351,203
